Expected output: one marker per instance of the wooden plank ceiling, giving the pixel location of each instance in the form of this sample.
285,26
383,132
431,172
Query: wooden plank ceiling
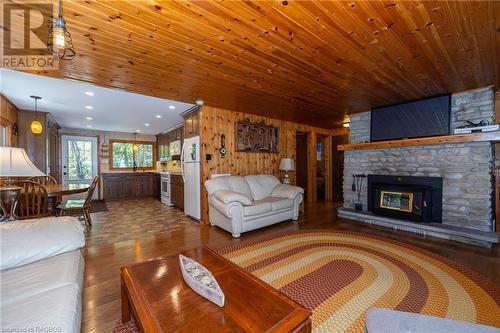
307,61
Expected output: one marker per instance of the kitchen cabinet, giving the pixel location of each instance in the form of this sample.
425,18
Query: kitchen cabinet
164,139
192,124
129,185
42,149
177,191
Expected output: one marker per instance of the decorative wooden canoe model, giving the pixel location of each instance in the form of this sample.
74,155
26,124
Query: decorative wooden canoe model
201,280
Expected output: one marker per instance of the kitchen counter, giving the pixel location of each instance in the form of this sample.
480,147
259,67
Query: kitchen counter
130,185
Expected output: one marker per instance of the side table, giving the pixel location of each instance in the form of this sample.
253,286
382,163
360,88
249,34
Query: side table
9,195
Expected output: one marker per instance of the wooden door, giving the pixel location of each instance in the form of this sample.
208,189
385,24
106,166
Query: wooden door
338,167
302,157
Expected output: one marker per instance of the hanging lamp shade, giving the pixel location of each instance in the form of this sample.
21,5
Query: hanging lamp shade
36,125
59,42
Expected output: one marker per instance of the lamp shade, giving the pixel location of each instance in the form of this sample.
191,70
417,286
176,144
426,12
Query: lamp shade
14,162
287,164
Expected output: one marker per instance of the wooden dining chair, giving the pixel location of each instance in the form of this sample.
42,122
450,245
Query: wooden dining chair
33,201
81,207
44,180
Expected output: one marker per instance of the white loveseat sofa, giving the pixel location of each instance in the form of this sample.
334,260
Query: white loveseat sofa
239,204
41,275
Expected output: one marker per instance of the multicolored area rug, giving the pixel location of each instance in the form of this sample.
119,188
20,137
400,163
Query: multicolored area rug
340,275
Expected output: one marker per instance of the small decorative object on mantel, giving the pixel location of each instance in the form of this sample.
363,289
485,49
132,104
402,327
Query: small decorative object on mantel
482,126
201,280
222,149
256,137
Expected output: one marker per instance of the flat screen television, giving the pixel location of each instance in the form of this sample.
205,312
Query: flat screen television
424,117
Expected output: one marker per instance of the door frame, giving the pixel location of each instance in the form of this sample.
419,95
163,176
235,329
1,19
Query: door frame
307,162
98,145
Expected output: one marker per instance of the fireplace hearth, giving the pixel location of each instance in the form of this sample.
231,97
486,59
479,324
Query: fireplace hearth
418,199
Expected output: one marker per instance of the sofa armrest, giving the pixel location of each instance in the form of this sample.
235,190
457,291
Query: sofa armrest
228,209
227,196
286,191
27,241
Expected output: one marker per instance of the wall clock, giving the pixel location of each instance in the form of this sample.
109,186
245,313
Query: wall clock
222,149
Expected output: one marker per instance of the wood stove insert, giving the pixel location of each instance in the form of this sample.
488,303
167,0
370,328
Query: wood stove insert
411,198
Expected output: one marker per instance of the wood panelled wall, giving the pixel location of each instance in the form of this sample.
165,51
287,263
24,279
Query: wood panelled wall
216,121
8,117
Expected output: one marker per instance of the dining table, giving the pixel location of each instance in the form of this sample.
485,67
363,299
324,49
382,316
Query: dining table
55,191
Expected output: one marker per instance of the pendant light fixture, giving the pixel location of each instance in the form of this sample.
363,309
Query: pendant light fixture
135,146
59,42
36,126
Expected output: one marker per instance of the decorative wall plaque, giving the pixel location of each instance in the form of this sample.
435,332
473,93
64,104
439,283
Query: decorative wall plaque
256,137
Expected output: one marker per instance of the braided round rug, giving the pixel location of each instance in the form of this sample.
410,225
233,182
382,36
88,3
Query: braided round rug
340,275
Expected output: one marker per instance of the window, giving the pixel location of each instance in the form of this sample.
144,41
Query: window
127,154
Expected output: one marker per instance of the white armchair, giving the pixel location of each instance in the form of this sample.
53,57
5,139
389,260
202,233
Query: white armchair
239,204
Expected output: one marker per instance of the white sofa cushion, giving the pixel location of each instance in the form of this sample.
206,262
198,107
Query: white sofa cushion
227,196
286,191
232,183
57,309
28,280
258,207
261,186
26,241
281,203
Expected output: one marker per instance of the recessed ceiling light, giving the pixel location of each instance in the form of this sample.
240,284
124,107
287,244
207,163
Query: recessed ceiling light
89,107
89,93
158,116
146,124
88,118
89,126
137,130
172,107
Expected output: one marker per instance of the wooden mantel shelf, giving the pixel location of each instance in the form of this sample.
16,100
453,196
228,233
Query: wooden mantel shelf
434,140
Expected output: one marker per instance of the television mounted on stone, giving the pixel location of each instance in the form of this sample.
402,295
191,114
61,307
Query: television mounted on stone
420,118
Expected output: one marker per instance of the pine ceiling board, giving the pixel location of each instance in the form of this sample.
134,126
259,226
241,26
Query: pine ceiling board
402,47
311,60
226,71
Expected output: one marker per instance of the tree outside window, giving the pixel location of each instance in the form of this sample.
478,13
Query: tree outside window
125,153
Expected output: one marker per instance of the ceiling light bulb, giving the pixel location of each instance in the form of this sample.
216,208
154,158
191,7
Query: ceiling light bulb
89,93
58,38
89,126
158,116
146,124
89,107
137,130
200,102
88,118
172,107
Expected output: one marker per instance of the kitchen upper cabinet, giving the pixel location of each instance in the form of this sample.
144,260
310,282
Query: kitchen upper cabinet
163,146
165,139
43,148
192,124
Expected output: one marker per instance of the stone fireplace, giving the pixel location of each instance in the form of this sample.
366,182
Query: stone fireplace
462,172
416,199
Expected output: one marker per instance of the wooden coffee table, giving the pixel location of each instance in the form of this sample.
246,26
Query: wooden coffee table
161,301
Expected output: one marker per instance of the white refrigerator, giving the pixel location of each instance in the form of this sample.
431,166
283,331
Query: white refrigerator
190,166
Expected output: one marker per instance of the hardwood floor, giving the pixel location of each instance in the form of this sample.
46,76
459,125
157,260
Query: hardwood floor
136,230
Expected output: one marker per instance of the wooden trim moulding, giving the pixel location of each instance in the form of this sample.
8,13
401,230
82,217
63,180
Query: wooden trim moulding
434,140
